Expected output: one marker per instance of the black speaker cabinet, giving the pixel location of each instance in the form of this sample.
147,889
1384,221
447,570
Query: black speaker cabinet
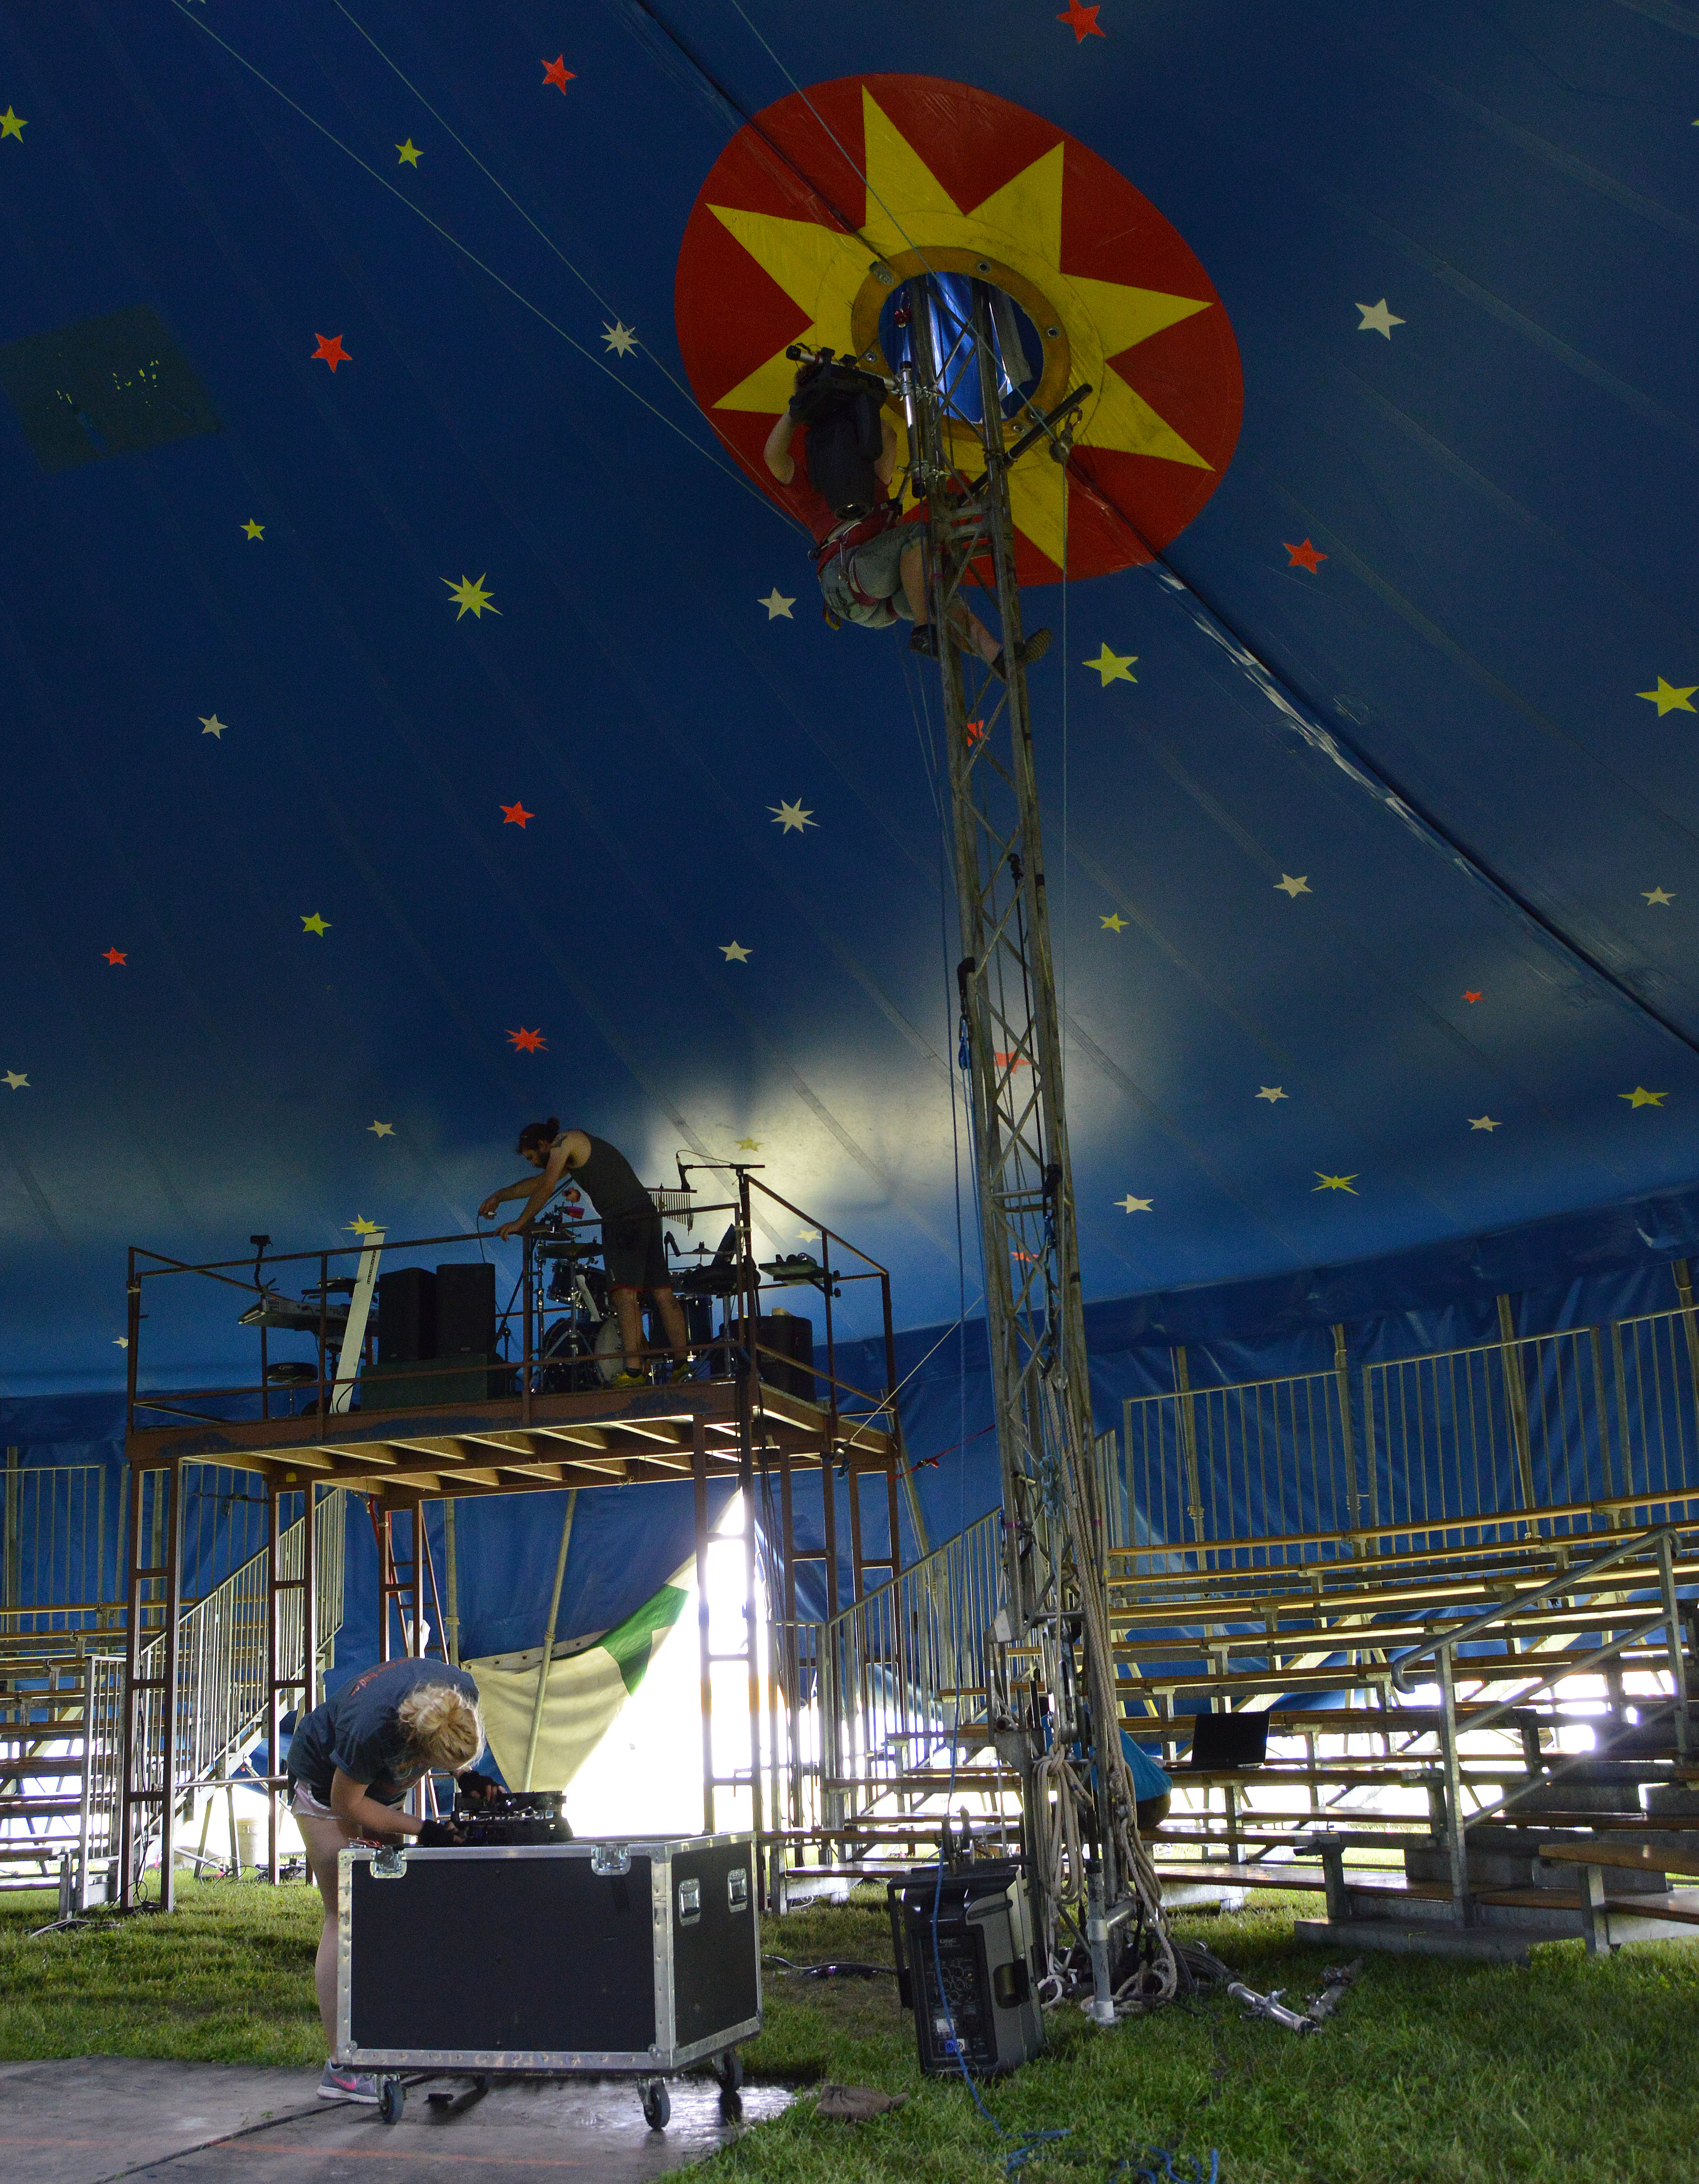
973,1991
641,1957
406,1315
466,1309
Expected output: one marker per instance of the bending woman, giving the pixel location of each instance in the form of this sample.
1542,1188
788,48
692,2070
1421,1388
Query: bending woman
351,1762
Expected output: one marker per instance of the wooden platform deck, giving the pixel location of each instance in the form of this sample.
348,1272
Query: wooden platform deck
596,1437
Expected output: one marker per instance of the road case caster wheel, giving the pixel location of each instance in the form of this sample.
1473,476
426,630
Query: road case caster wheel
392,2099
657,2105
728,2070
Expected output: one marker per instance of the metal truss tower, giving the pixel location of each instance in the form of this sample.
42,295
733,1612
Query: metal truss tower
961,451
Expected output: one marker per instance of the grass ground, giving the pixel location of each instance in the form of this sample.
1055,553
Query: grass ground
1564,2070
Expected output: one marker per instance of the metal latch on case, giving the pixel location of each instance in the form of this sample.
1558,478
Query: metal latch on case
689,1902
388,1865
737,1888
610,1860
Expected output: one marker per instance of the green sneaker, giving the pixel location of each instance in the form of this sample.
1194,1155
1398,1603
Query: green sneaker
629,1380
684,1371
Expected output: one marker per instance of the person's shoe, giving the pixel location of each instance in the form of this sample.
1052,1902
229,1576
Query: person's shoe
338,2084
924,639
1029,650
629,1380
683,1371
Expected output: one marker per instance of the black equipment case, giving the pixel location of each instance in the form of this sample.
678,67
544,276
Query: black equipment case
639,1957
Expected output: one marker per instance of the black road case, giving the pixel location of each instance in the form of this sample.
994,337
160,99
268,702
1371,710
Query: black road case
597,1956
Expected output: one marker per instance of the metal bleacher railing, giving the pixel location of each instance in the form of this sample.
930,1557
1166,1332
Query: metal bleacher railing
62,1668
1414,1485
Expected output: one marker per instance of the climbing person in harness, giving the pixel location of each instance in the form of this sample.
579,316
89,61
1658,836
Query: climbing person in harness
872,566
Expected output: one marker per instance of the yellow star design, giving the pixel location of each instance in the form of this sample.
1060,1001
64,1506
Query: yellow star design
1116,924
620,338
12,124
410,152
1335,1182
316,924
381,1129
1131,1205
791,816
1654,896
471,598
1271,1093
1112,667
1288,884
362,1227
910,215
1640,1097
1668,699
253,530
735,952
747,1145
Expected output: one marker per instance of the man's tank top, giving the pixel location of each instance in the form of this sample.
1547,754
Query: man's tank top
610,1182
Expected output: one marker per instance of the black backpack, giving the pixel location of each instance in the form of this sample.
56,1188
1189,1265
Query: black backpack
844,439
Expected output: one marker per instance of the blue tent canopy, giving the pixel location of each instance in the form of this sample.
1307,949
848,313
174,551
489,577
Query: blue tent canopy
403,663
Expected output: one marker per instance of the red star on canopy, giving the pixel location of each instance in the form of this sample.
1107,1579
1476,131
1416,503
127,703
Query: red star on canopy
1302,557
1471,997
557,73
114,956
515,815
1082,21
331,349
527,1042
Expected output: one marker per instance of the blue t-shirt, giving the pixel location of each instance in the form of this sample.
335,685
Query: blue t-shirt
359,1732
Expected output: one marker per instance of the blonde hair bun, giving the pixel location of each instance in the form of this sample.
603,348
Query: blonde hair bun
442,1726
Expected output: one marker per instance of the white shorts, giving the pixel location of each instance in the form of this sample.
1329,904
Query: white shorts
305,1806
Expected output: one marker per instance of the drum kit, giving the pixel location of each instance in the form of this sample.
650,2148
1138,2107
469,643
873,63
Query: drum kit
581,1348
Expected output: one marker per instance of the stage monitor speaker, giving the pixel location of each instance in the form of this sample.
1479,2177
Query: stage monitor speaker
794,1332
466,1309
967,1968
406,1315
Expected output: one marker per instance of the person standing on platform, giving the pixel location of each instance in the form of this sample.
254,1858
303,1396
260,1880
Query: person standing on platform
632,1248
351,1762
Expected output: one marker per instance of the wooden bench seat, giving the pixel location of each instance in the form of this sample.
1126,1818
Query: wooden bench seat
1622,1857
1216,1873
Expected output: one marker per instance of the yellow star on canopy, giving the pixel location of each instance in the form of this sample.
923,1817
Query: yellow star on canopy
1020,225
410,152
471,598
1640,1097
748,1146
1654,896
791,816
1112,667
1271,1093
620,338
316,924
253,530
735,952
1288,884
1334,1182
362,1227
1483,1122
1131,1205
12,124
381,1129
210,725
16,1080
1670,699
1117,923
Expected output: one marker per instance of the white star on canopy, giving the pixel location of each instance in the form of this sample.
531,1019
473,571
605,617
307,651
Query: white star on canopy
1271,1093
1131,1205
734,953
1377,320
778,605
791,816
620,338
210,725
1287,885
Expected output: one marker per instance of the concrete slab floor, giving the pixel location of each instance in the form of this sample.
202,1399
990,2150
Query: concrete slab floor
96,2117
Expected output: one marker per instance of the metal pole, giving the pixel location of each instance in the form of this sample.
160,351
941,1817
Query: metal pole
1678,1658
544,1665
1516,1394
451,1608
1456,1841
171,1478
699,1473
274,1666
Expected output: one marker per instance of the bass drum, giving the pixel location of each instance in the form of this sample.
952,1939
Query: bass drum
610,1352
568,1360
